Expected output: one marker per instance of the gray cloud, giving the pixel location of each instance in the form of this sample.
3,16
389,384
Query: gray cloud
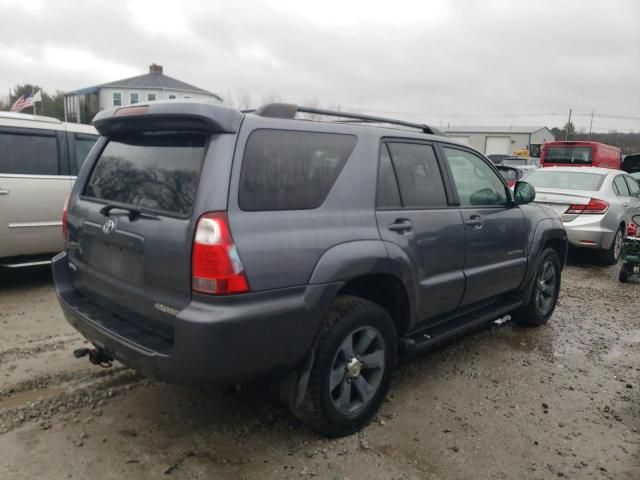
458,62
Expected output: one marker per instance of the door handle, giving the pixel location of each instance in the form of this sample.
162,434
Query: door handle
400,225
4,192
474,221
626,204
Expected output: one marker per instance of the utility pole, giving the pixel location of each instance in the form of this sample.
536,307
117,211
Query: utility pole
591,122
566,133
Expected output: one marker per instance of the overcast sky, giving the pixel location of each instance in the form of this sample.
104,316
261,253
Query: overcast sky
502,62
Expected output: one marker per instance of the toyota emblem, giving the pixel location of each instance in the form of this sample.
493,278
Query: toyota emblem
108,227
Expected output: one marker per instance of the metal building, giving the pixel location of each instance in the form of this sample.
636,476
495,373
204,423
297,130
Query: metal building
503,140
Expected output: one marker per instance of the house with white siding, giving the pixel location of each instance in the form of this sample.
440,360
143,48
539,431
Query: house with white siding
81,105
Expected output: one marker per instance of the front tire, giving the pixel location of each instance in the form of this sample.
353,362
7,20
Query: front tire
351,374
612,255
545,291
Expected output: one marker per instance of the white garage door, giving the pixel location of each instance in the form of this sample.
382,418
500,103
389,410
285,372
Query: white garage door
464,140
499,145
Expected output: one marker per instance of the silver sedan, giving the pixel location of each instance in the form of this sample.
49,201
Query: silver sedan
595,204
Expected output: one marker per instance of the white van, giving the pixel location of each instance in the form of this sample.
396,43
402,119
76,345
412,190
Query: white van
39,159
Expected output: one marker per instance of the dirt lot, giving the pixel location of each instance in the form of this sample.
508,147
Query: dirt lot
505,403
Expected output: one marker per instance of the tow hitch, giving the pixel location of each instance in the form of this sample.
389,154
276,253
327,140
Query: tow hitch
96,356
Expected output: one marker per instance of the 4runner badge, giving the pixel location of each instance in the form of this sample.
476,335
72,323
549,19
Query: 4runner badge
108,227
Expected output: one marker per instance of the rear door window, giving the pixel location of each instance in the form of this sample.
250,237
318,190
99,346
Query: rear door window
620,186
32,152
418,175
634,188
287,170
156,171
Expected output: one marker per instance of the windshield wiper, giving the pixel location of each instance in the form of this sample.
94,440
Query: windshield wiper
133,212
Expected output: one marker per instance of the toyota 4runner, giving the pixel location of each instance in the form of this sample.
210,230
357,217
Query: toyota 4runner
207,245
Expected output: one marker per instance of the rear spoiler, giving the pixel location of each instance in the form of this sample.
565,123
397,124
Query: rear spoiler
168,115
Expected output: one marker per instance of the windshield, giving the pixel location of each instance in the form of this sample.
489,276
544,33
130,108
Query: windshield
568,155
156,171
547,178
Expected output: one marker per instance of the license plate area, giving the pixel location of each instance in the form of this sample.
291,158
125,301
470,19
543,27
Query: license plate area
114,260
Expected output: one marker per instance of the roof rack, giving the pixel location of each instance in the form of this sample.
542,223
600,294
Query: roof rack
289,110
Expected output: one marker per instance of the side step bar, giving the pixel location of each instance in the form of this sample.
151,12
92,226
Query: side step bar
433,335
23,262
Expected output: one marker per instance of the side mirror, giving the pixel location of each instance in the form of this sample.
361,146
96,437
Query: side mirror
524,193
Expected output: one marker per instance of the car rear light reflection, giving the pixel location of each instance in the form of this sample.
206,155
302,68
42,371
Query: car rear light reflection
216,268
632,230
594,206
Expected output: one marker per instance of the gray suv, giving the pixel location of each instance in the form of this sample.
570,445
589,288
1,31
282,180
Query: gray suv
207,245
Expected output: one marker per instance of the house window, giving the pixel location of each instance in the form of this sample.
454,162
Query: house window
134,98
151,97
172,97
117,99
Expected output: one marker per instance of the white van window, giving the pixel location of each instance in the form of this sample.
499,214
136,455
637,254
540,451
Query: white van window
28,153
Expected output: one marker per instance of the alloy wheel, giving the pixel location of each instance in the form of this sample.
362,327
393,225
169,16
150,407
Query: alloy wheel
357,370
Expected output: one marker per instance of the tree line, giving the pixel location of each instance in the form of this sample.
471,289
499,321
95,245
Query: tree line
627,142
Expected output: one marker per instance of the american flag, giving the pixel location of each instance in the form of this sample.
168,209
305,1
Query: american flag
23,102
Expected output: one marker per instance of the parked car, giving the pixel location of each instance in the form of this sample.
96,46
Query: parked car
595,204
631,163
580,154
518,161
496,158
39,158
207,245
511,175
636,176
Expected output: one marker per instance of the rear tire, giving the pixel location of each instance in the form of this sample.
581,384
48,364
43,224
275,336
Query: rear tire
545,291
351,374
612,255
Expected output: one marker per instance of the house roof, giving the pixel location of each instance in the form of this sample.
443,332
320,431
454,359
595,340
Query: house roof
494,129
157,81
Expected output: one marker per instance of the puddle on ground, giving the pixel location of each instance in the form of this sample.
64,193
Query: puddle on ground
525,339
25,398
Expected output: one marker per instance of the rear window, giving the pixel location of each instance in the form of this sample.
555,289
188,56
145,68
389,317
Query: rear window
546,178
286,170
29,154
508,173
568,155
156,171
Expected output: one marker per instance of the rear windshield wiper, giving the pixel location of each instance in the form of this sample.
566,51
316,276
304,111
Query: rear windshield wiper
133,212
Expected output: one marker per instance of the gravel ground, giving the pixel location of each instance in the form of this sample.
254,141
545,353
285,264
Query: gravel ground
560,401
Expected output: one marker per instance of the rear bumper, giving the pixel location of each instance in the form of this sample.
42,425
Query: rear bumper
241,337
590,233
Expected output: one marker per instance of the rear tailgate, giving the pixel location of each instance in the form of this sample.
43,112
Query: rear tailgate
133,210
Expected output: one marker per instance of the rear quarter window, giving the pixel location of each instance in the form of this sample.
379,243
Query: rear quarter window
289,170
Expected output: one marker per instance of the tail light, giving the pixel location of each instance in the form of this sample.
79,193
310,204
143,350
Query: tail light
511,183
216,268
632,230
65,218
594,206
